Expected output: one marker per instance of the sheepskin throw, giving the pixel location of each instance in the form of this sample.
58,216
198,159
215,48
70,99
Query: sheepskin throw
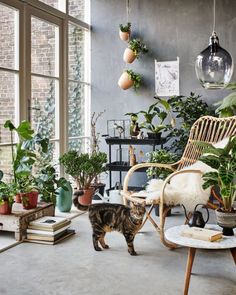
183,188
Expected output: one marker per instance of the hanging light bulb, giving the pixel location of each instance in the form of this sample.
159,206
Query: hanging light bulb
214,65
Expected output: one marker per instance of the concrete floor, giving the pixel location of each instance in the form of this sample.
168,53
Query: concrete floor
73,267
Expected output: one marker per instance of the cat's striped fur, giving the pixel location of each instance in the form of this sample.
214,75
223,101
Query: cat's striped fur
105,217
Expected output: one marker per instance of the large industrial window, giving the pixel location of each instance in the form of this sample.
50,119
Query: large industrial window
44,71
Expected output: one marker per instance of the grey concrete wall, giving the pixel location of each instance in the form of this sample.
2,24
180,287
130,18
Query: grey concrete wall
170,28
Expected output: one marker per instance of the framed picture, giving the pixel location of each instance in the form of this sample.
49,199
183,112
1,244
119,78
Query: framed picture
167,78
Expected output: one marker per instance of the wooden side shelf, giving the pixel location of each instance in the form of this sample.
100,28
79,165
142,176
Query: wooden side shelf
18,221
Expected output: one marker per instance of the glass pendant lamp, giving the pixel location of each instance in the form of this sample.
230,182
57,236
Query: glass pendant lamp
214,65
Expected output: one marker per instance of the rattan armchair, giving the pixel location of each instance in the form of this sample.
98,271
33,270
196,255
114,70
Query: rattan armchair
207,129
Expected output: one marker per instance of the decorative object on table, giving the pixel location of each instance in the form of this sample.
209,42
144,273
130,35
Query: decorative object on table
125,31
64,198
132,156
221,157
135,48
84,167
134,119
129,79
196,219
227,107
214,65
160,109
117,128
140,135
167,78
202,234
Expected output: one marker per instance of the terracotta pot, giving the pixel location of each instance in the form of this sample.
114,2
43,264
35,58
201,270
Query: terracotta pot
124,36
5,208
227,220
18,198
129,56
125,82
86,198
29,200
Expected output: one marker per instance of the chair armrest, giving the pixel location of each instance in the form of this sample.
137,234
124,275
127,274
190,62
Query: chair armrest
144,165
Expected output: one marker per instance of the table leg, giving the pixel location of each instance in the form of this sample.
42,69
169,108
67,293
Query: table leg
233,252
191,255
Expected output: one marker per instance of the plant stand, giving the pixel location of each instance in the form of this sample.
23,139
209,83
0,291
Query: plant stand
18,221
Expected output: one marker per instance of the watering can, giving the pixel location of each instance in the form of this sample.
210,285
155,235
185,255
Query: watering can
196,219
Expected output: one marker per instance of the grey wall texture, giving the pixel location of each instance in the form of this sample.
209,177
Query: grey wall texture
169,28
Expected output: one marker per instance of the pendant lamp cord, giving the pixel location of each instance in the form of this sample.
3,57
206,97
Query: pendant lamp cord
127,10
214,16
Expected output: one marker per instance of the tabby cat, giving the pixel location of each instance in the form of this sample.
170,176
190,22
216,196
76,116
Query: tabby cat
105,217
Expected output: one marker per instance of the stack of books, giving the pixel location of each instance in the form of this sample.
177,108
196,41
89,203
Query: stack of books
49,230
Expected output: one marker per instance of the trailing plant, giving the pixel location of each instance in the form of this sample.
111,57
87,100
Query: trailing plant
160,156
227,107
223,160
95,135
138,47
136,78
125,28
187,110
84,168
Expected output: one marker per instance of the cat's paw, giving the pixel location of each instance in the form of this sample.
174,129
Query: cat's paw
106,247
97,249
133,253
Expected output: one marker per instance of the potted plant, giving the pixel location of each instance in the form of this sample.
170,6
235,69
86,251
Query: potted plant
223,160
84,168
7,193
125,31
227,107
161,112
133,125
129,79
135,48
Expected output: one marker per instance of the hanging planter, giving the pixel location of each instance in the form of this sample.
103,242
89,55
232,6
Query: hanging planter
129,79
134,50
125,31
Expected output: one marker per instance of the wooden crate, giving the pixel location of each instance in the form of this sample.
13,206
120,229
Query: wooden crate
18,221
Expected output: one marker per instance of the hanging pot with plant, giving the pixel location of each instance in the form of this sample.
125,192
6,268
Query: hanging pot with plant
129,79
125,31
135,49
223,160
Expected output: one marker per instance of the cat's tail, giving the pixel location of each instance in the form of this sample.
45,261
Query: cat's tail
77,203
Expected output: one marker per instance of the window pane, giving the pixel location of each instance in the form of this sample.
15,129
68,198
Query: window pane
58,4
44,48
43,106
76,53
8,96
77,8
5,162
81,145
9,23
76,108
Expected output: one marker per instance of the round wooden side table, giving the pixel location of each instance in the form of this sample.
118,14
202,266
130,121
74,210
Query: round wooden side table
173,235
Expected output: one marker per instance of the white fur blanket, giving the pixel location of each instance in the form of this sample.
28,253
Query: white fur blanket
183,188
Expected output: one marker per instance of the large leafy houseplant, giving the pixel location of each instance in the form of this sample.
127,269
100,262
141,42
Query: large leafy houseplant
223,160
227,107
187,110
84,168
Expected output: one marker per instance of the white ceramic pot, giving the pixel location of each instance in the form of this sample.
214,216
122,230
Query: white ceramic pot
125,82
129,56
124,36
